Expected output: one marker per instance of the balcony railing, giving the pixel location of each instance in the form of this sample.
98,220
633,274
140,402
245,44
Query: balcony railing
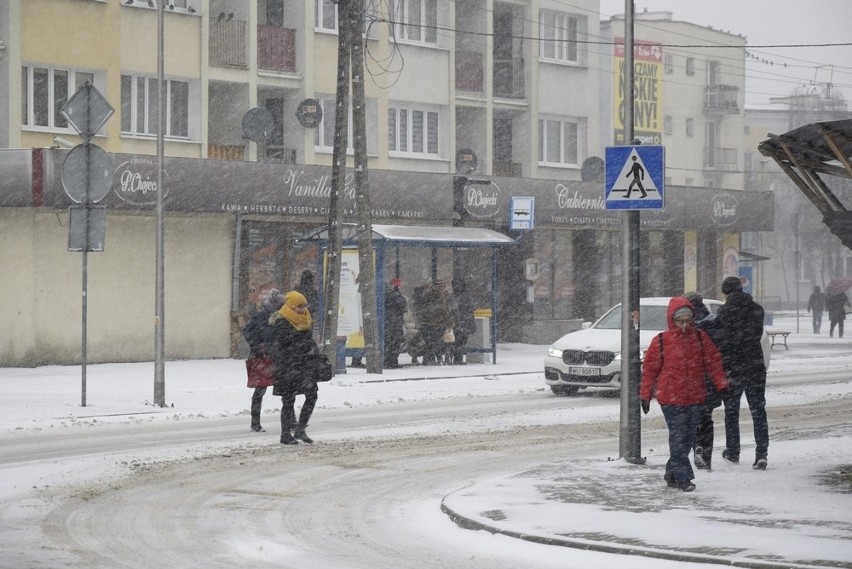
276,48
225,152
470,71
724,159
509,78
228,43
721,98
508,169
280,155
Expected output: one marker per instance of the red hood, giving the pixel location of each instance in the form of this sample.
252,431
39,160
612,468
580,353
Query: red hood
676,303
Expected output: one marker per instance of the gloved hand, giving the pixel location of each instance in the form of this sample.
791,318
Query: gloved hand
646,406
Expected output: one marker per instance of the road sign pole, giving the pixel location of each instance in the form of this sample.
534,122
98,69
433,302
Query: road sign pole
630,439
159,301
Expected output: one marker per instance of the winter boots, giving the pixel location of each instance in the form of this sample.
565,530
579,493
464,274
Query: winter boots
300,435
255,423
760,463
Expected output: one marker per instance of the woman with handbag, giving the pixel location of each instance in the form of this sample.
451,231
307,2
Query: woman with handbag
259,365
294,353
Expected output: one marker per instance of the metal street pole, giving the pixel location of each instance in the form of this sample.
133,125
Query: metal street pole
630,434
159,308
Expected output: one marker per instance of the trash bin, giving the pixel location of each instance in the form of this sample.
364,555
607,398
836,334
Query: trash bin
481,339
340,363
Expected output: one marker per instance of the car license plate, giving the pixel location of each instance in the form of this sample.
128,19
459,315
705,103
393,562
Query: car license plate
584,371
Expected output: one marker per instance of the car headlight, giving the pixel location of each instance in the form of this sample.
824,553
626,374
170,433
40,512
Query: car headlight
554,353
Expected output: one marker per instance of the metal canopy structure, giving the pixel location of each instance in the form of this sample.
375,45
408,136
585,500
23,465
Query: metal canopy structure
809,152
434,237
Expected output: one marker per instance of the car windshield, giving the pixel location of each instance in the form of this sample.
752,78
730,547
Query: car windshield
650,318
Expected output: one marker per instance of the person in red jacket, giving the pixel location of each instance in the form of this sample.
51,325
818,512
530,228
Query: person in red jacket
673,372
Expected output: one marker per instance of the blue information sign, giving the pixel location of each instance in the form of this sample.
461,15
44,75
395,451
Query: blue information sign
635,177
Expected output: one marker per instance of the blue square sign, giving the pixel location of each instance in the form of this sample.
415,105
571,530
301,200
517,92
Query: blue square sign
635,177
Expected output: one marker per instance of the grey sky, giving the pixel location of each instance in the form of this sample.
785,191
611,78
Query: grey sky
772,22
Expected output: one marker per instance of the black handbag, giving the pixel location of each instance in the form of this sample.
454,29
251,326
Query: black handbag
319,366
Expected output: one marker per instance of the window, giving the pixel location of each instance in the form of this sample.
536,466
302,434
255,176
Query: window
413,131
324,134
325,15
668,125
690,66
415,20
45,90
668,63
690,127
561,142
560,33
139,106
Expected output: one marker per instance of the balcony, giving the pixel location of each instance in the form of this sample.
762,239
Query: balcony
509,78
722,159
721,99
506,169
225,152
228,43
276,48
279,155
470,71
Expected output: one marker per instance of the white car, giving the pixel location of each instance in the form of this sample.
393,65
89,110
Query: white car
591,357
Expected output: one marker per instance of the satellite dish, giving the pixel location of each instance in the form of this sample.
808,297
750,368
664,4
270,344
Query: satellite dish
258,124
593,170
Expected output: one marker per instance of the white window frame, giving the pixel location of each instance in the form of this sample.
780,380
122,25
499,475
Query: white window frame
568,156
414,131
415,21
134,107
55,120
321,7
560,36
324,133
668,63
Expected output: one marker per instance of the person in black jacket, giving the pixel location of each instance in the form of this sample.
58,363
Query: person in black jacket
293,343
258,334
309,291
836,305
816,306
395,307
741,321
705,320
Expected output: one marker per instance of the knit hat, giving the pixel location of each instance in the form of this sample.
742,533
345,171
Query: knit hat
731,284
682,311
274,299
396,282
438,283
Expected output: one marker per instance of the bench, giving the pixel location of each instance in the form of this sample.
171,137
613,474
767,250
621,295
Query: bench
773,337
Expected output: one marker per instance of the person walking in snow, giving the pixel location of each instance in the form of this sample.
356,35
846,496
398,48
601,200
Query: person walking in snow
258,334
293,344
741,321
836,305
673,372
816,306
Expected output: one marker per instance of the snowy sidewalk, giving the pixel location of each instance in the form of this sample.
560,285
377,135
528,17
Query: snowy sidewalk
798,513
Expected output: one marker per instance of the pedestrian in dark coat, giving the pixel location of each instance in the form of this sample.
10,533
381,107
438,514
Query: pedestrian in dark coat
673,372
465,323
309,291
436,317
704,435
395,307
741,320
836,304
258,334
293,342
816,306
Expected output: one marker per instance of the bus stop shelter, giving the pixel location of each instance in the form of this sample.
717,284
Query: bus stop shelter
389,238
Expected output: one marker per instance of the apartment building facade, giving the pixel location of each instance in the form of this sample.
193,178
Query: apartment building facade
519,85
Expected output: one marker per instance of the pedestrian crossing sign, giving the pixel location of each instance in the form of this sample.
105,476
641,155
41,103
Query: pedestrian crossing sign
635,177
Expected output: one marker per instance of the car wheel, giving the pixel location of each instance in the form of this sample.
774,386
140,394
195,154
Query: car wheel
566,390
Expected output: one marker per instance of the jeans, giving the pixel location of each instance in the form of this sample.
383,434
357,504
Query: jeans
682,422
839,324
817,321
755,391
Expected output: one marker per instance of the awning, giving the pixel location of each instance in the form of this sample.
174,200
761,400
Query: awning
420,235
749,256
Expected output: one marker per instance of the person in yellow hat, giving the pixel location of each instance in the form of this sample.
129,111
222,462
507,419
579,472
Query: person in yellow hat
292,346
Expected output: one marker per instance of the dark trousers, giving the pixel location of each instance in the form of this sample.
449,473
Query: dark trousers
459,347
704,434
434,338
817,321
839,324
257,400
755,392
288,412
682,422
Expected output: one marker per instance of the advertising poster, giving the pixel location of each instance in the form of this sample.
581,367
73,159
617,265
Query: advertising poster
648,88
350,323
